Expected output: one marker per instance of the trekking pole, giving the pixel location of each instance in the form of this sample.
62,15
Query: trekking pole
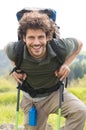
17,107
60,103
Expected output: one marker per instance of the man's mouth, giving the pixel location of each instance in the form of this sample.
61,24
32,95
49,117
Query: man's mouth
37,47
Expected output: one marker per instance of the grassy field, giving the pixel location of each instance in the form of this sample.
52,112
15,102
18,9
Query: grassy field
8,95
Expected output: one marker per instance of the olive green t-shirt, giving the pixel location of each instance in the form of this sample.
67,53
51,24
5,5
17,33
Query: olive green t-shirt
41,73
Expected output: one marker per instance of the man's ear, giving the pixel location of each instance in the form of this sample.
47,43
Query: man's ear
47,39
24,39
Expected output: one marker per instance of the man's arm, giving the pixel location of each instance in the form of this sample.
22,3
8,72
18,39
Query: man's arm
17,76
64,69
74,55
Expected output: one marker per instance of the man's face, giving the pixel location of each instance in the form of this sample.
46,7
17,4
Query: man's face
36,41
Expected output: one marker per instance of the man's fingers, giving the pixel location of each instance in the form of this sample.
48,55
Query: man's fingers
63,72
24,76
64,76
19,77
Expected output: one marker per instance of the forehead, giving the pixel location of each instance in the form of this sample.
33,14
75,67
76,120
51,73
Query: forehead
35,32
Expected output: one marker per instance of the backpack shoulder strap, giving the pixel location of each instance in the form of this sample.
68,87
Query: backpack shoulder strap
60,56
19,49
55,47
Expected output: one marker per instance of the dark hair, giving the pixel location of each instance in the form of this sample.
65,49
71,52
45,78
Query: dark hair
36,20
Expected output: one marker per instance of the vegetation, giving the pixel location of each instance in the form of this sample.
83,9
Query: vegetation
78,67
8,95
5,65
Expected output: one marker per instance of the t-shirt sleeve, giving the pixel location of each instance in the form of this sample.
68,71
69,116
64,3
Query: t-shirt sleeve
67,46
10,51
71,45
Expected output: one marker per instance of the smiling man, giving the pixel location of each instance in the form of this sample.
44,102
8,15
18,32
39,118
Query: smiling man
43,71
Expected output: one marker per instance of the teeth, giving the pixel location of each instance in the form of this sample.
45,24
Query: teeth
37,47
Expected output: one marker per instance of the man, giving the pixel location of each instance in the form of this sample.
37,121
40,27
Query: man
42,69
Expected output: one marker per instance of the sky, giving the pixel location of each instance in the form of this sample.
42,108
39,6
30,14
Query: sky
70,17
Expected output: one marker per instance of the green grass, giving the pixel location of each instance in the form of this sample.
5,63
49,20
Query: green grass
7,85
8,114
7,98
8,108
80,92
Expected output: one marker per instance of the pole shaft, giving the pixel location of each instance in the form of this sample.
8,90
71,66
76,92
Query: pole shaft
17,108
60,103
59,116
16,128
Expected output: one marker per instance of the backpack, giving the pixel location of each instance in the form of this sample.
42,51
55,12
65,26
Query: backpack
19,49
50,12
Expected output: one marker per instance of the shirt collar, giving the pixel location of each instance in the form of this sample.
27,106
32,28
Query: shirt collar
50,54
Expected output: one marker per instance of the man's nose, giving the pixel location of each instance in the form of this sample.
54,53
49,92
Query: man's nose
36,41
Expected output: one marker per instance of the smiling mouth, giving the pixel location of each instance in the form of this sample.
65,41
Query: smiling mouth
36,47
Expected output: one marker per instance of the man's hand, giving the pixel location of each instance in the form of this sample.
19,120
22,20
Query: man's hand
19,77
63,72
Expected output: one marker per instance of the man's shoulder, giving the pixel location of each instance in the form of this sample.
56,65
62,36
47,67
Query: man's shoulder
13,49
10,51
64,43
58,45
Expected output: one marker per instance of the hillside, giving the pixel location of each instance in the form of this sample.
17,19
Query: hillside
5,65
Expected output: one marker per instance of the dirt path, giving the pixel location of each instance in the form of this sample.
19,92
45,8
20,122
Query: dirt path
9,127
12,127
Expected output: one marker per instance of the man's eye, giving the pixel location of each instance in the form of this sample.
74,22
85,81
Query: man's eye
31,38
41,37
